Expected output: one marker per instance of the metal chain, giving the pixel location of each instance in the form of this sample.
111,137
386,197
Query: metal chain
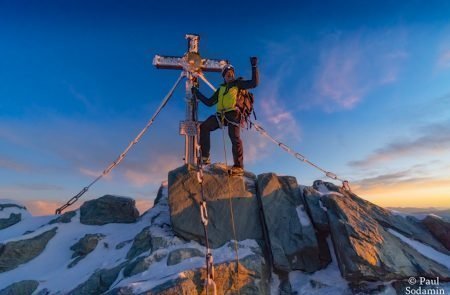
124,153
263,132
209,281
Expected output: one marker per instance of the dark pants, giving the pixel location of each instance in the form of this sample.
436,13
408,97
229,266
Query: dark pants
234,132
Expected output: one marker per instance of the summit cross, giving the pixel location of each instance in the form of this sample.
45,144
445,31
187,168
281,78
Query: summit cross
192,64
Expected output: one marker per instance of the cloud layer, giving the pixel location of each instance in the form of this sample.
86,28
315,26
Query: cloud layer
432,140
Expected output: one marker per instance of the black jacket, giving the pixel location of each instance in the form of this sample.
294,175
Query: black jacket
241,84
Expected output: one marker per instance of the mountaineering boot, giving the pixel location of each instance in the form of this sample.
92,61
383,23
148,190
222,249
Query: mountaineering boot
206,161
236,171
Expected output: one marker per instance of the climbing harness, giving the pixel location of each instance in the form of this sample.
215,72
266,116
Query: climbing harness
263,132
124,153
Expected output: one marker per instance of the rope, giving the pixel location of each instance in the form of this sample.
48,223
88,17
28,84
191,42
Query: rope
209,281
298,156
124,153
233,225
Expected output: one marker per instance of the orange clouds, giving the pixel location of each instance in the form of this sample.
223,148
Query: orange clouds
43,207
418,193
143,205
46,207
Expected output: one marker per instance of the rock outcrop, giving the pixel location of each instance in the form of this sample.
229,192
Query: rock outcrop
84,246
284,212
65,218
283,206
25,287
219,191
99,282
439,228
10,213
108,209
365,244
15,253
11,220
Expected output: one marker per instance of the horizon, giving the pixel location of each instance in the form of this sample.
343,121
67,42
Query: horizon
359,89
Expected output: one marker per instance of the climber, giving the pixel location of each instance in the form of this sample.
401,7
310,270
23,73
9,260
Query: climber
227,114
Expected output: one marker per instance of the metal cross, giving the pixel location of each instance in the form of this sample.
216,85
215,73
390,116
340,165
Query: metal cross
192,64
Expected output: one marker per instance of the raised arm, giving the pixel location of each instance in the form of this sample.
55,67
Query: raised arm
207,101
248,84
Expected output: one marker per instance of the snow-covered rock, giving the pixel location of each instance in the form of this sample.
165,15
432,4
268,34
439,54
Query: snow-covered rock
15,253
11,212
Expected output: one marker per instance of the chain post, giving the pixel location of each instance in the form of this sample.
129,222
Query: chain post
346,186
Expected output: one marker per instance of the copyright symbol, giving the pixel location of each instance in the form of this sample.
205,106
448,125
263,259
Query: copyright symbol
412,281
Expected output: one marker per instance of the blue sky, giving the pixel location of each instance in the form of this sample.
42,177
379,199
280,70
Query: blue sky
359,88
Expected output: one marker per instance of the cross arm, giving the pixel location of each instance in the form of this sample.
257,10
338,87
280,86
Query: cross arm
186,62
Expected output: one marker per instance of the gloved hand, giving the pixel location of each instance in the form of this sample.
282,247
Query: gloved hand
254,61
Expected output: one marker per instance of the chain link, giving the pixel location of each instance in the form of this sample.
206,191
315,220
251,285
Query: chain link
287,149
209,281
124,153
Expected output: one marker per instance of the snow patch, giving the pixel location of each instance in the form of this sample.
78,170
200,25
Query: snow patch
425,250
302,216
327,281
160,272
322,206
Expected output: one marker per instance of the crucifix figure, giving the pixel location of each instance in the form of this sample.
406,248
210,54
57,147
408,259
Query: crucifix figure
191,63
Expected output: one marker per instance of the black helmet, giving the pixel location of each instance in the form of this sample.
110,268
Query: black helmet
226,68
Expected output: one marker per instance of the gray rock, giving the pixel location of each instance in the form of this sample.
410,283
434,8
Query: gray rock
285,287
108,209
317,213
408,226
185,196
178,255
121,291
159,196
315,210
179,286
363,288
4,206
99,282
13,254
439,228
253,279
141,243
86,244
366,251
294,244
123,244
141,264
11,220
65,218
26,287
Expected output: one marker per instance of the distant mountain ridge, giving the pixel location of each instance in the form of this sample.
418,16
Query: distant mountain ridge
422,212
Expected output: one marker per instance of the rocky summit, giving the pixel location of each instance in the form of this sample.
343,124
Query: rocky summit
268,234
